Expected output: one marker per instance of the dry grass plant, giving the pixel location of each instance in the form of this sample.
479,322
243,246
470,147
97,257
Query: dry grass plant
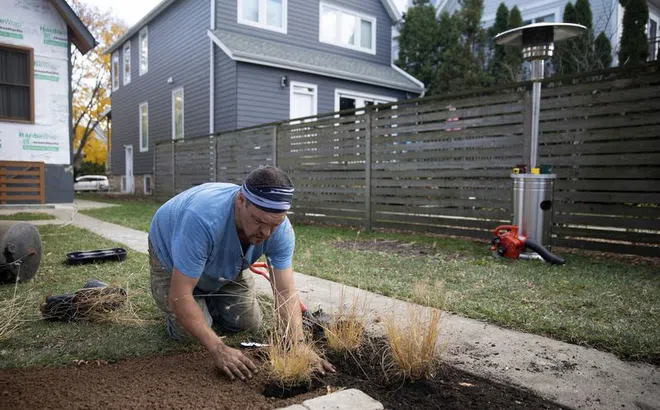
291,362
11,313
346,330
413,347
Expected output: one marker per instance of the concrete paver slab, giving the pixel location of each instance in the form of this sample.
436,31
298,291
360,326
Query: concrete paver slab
344,400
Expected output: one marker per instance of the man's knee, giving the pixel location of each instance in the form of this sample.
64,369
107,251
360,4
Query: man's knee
177,331
236,319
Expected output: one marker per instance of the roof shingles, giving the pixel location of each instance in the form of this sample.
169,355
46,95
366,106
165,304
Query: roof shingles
260,51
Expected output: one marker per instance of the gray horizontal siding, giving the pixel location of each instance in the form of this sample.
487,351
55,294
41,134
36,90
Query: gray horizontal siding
178,48
303,26
225,91
261,99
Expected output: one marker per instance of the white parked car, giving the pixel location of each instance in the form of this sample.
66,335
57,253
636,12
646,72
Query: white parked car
91,183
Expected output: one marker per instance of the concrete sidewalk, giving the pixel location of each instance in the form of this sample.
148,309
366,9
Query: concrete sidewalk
571,375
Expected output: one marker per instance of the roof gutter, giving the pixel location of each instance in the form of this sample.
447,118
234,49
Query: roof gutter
82,38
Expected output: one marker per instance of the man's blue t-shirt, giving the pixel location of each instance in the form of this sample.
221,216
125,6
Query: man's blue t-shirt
195,232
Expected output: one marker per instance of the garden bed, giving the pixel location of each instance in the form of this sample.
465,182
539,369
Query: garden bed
188,380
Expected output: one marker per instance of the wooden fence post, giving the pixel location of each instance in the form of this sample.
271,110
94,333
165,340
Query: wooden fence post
215,157
173,167
154,170
276,129
42,183
367,164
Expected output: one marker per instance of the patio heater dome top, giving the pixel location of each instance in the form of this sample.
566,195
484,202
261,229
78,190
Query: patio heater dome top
537,40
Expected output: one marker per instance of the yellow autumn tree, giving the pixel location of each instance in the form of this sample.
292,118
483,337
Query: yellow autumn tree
90,83
96,145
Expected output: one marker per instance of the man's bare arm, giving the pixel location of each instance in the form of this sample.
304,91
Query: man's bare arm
288,303
182,303
289,310
187,312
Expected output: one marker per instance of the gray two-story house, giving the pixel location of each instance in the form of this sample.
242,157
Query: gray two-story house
193,67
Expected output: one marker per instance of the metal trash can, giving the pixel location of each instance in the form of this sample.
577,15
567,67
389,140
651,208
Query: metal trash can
533,196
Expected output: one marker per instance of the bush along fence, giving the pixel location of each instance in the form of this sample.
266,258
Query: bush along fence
443,164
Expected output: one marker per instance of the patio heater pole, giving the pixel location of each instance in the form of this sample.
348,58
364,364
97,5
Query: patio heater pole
537,76
533,191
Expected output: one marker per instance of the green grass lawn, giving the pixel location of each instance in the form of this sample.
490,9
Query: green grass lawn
135,213
26,216
601,302
137,329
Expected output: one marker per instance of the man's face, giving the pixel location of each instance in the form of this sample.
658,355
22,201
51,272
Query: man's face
257,225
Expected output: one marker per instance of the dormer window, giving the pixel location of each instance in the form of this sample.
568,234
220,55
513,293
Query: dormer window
266,14
346,28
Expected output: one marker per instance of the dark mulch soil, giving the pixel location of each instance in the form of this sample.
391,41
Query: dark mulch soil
450,389
189,381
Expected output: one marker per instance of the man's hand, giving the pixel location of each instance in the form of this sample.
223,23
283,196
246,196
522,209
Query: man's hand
232,362
323,366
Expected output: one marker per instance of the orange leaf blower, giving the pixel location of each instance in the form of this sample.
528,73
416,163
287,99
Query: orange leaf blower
508,243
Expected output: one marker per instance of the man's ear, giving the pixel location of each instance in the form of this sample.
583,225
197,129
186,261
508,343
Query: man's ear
242,200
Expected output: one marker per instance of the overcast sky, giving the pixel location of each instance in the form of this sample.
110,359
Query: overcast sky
133,10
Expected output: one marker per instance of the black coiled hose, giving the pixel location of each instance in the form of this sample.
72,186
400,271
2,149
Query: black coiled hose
545,254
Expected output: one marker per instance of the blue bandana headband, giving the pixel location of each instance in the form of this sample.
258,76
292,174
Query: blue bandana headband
270,199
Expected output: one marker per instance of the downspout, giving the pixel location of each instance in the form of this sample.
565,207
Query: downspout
212,74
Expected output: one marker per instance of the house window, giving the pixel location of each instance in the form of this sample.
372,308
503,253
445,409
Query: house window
350,100
144,127
146,182
348,29
268,14
16,84
127,63
303,100
177,114
144,51
547,18
115,71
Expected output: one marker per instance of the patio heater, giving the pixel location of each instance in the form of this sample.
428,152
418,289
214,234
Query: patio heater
533,185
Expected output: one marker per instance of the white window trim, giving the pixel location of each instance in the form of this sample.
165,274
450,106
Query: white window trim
263,16
357,94
115,72
144,184
315,96
144,104
355,47
127,78
146,31
183,114
655,17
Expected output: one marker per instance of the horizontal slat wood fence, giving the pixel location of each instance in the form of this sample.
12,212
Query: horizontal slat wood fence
443,164
22,182
603,139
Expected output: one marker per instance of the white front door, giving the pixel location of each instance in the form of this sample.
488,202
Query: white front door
303,100
130,181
